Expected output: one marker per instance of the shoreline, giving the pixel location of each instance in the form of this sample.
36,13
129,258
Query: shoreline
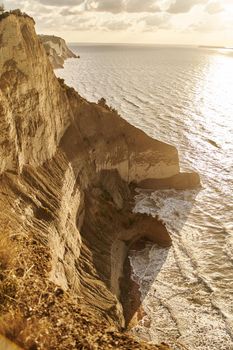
130,291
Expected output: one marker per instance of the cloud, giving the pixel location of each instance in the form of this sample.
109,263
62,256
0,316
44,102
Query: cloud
142,6
183,6
205,27
116,25
135,20
156,20
69,12
118,6
58,3
104,5
213,7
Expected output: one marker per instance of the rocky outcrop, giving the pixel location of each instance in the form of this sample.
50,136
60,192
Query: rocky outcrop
56,49
65,203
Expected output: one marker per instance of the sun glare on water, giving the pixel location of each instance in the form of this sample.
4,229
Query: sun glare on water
215,95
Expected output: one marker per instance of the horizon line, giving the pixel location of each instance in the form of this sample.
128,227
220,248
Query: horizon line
150,44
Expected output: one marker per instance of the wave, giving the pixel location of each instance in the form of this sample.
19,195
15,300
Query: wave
130,102
177,281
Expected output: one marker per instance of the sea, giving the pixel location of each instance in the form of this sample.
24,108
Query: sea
182,96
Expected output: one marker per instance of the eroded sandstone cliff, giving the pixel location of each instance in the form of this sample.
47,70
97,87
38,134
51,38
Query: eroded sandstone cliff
56,49
65,203
34,110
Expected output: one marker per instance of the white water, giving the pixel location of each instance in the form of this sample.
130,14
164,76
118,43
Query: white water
182,286
183,97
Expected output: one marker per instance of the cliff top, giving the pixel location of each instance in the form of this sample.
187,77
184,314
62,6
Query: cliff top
55,39
16,12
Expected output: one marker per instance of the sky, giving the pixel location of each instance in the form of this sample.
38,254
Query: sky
178,22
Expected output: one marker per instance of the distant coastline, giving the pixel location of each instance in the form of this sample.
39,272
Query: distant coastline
215,47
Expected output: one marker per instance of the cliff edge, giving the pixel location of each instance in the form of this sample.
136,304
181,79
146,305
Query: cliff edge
65,203
56,49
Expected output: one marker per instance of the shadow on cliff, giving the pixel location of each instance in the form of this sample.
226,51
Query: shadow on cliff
150,252
111,233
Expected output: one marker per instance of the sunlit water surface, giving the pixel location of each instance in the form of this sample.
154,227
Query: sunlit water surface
184,97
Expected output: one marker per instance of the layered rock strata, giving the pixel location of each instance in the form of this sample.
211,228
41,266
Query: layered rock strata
65,203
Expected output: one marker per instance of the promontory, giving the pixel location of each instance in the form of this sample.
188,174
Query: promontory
68,169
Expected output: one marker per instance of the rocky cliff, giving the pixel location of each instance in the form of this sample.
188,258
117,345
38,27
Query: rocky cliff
56,49
65,203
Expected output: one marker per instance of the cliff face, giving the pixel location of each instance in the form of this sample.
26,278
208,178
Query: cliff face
34,110
66,166
56,49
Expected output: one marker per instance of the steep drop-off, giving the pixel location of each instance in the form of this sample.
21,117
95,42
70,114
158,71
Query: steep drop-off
56,49
65,203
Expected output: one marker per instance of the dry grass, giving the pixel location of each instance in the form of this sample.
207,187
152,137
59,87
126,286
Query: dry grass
8,253
24,332
7,248
12,324
9,322
15,298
